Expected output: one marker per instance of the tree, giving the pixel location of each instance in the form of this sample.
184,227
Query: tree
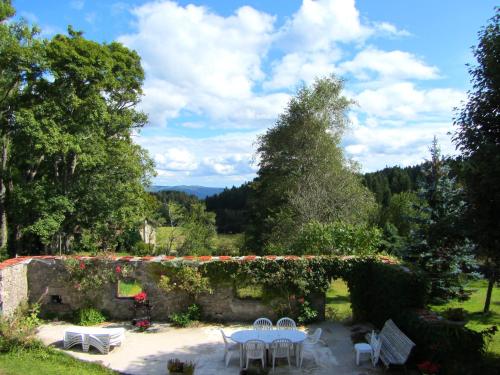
76,177
303,174
438,245
198,227
478,138
19,63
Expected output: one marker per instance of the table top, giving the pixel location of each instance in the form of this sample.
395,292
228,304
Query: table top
268,336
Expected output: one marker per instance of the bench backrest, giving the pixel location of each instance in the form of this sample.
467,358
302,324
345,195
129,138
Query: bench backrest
396,346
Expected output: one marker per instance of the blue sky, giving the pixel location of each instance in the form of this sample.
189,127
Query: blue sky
218,73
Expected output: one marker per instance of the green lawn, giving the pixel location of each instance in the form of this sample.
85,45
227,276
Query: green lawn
128,288
477,321
47,361
338,305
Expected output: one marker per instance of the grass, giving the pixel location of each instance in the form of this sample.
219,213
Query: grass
41,361
338,304
128,288
478,321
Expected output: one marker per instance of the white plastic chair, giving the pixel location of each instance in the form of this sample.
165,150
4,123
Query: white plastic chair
229,348
308,346
255,349
286,323
281,348
372,349
263,323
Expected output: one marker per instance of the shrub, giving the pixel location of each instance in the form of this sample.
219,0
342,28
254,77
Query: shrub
306,313
141,248
379,291
89,316
185,319
337,239
17,331
455,314
457,349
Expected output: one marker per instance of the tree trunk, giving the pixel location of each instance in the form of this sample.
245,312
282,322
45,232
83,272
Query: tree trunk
3,193
491,284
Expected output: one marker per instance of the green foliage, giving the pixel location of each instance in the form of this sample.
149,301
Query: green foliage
439,246
337,239
89,316
88,276
478,139
379,292
458,350
180,278
306,313
67,115
231,208
187,318
18,330
303,174
141,248
199,231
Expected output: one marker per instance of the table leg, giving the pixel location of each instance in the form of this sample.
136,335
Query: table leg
241,356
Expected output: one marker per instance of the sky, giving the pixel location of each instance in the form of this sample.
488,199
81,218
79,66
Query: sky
218,73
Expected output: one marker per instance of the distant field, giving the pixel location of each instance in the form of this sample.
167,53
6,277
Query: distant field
477,321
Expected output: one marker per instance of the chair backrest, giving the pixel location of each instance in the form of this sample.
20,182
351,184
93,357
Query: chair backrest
263,323
281,347
254,348
376,344
286,323
396,346
314,338
224,337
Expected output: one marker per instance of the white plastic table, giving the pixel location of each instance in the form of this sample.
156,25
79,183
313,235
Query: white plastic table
268,336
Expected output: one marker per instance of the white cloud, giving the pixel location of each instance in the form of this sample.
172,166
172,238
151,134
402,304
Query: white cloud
197,60
392,65
404,101
228,156
236,71
376,148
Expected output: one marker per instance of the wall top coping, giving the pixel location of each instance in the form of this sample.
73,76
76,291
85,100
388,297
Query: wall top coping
188,258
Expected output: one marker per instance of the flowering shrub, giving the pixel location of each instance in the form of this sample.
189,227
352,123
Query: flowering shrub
141,297
143,325
428,367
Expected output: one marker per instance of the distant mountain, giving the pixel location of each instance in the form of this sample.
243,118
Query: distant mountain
199,191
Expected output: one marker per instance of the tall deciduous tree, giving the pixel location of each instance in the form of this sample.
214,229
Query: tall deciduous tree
19,64
478,138
77,179
303,174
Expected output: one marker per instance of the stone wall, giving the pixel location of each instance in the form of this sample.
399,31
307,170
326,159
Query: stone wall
48,285
13,286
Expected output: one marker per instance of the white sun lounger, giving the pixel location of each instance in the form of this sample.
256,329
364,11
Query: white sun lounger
100,338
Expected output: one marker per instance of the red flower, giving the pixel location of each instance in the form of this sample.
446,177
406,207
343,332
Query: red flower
141,297
118,269
301,299
82,265
143,324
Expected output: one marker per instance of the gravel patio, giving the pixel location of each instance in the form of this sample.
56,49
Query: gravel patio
147,353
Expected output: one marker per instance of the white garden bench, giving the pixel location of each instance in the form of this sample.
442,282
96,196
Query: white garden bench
396,346
100,338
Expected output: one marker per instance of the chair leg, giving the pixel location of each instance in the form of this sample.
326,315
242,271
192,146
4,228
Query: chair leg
274,359
357,357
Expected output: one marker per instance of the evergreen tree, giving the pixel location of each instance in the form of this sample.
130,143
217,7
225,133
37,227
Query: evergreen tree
438,245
